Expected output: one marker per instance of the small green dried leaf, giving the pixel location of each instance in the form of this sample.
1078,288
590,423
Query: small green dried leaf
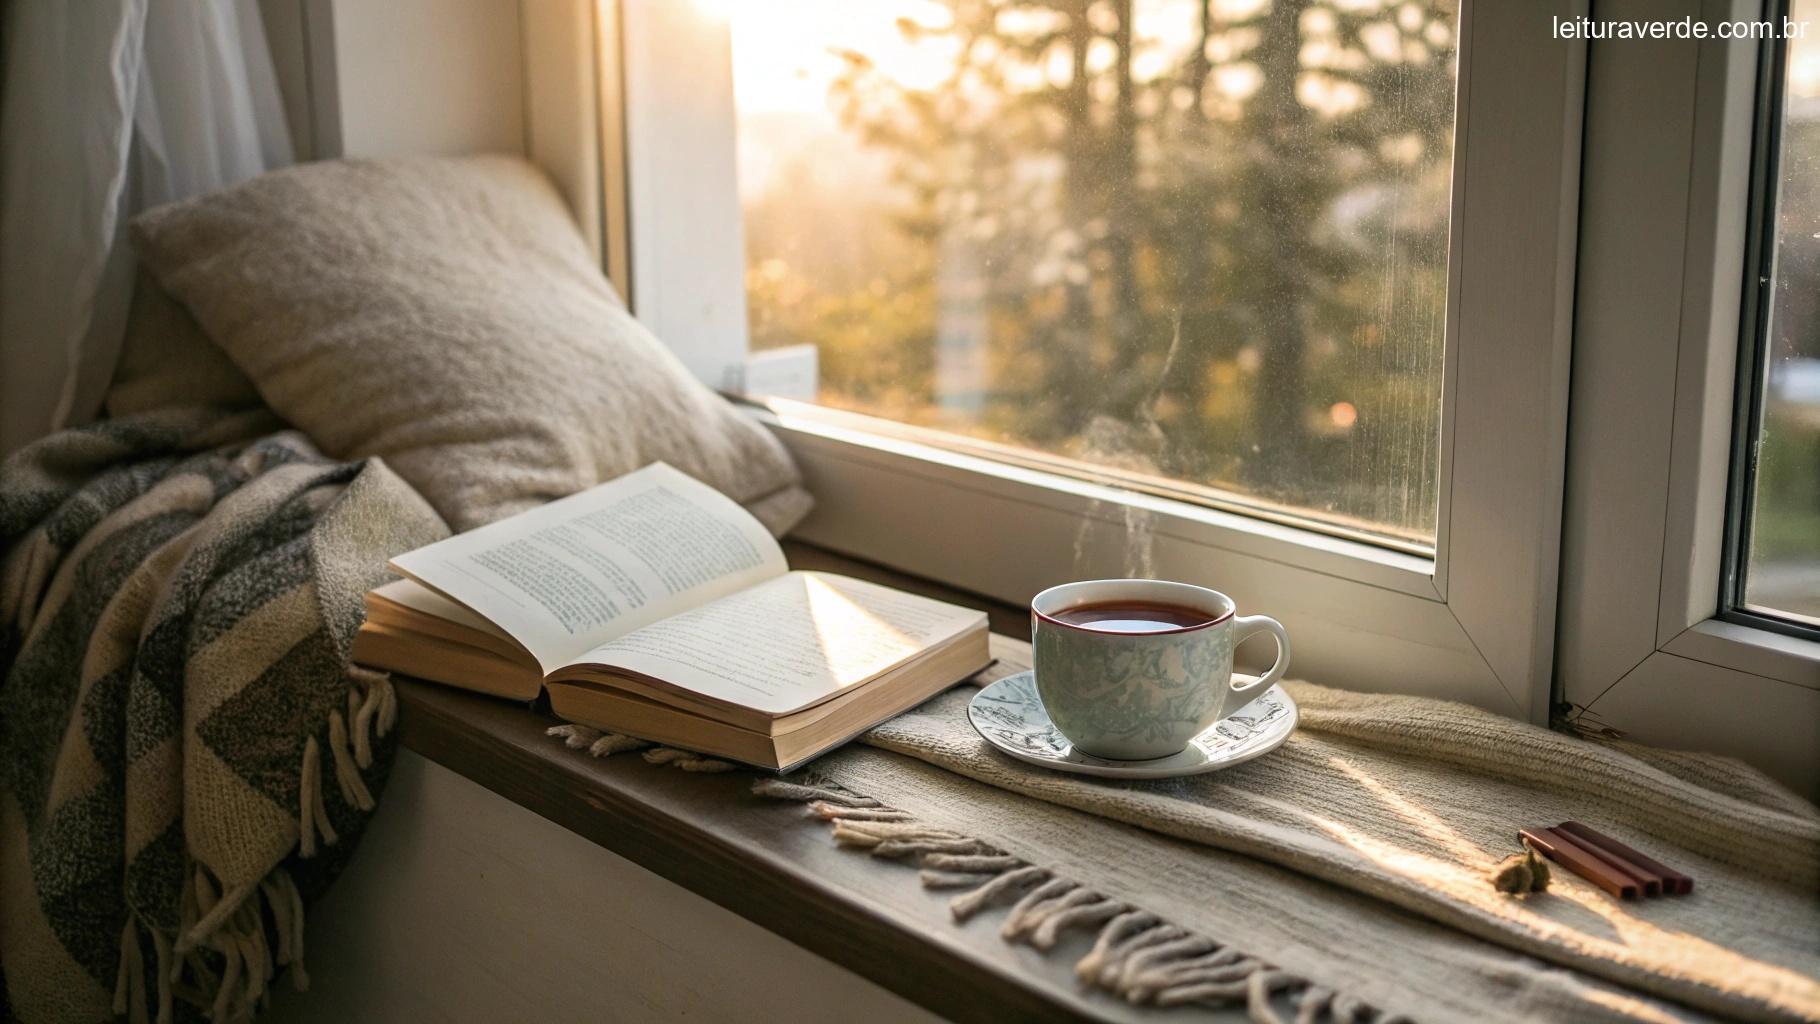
1539,875
1513,875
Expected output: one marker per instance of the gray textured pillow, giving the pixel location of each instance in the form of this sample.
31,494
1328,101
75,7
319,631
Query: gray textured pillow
166,360
444,313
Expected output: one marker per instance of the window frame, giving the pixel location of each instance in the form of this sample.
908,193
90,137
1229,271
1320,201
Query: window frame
1645,634
1475,623
1749,396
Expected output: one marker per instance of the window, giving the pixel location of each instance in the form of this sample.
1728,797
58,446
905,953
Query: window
1199,246
1598,203
1656,637
978,274
1779,486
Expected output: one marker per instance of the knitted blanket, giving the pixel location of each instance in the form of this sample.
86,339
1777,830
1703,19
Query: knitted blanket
186,755
1409,801
1345,876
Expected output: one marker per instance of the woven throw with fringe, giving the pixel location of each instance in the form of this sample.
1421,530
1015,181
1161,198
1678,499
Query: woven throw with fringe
186,755
1344,877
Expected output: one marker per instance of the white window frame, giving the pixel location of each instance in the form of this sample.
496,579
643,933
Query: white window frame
1476,622
1656,351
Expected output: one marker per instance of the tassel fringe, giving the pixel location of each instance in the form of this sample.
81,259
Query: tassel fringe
1136,956
604,744
255,929
229,930
372,710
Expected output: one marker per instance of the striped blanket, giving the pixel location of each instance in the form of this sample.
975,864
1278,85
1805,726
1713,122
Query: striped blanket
186,755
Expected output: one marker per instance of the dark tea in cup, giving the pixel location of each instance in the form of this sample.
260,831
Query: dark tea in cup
1135,616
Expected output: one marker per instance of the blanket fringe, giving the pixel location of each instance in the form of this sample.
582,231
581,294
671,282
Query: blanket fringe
233,923
604,744
371,692
372,710
230,924
1137,956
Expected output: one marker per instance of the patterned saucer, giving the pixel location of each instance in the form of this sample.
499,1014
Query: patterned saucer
1010,715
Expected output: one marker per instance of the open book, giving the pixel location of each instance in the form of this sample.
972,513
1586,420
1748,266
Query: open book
655,606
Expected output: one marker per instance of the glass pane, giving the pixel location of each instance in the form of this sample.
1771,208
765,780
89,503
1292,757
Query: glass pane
1783,574
1196,244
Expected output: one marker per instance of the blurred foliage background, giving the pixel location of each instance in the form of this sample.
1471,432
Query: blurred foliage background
1784,558
1202,239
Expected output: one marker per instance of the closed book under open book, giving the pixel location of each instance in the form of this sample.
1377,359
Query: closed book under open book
655,606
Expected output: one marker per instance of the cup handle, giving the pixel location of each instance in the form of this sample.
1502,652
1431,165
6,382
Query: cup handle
1247,625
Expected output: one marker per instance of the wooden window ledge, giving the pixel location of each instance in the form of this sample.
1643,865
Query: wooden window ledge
764,859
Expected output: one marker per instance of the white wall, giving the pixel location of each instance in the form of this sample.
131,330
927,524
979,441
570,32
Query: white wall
286,34
407,77
419,77
687,248
462,906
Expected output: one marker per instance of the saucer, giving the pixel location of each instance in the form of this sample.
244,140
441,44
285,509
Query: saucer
1010,715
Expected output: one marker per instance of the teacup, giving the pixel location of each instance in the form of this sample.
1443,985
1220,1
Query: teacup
1143,684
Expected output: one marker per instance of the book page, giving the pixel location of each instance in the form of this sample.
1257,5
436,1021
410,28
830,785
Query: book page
582,570
417,597
788,643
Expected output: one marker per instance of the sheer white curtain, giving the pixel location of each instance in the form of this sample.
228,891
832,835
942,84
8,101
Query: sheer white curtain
108,107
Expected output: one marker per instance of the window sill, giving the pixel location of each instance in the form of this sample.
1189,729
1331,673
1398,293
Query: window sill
760,859
763,859
1760,652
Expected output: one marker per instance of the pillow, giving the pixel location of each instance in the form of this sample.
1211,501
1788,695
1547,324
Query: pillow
166,360
445,314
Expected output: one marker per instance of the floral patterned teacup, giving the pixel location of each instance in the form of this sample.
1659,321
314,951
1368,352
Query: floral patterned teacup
1136,695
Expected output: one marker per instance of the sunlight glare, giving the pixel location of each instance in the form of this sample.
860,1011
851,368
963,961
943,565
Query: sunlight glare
717,10
856,640
785,52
